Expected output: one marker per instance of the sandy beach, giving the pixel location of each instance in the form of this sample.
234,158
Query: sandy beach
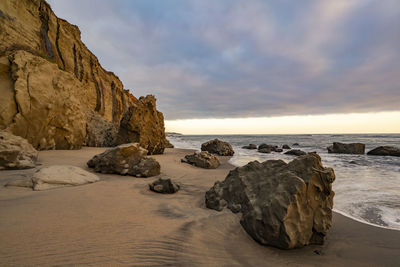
120,222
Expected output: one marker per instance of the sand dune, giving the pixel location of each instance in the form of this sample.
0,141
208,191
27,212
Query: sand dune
119,222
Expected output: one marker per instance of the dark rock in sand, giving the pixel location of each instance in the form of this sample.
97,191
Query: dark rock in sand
295,152
164,186
352,148
385,151
250,146
127,159
283,205
15,152
286,146
218,147
203,160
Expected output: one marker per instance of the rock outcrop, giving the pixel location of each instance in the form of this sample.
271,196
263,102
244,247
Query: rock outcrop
250,146
295,152
218,147
168,144
99,132
282,205
385,151
352,148
164,186
127,159
16,152
49,78
203,160
285,146
266,147
143,124
57,176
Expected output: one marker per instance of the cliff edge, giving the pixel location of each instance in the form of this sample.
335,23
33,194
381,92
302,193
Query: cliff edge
52,86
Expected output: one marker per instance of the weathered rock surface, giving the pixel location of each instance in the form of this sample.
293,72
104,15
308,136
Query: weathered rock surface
218,147
143,124
43,104
285,146
164,186
282,205
56,176
295,152
250,146
16,152
168,144
127,159
203,160
48,79
99,132
352,148
385,151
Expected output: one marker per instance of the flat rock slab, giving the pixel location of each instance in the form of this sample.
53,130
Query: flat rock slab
56,176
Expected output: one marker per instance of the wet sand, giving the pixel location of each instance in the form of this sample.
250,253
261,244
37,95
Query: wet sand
119,222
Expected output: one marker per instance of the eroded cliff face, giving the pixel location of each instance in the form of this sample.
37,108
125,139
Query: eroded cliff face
45,69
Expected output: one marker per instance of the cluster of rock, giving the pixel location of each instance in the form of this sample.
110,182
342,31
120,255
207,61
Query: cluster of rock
295,152
359,148
56,176
282,205
55,93
126,159
203,160
218,147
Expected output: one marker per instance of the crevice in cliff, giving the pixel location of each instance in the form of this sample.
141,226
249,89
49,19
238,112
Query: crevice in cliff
57,45
28,89
114,103
102,98
96,84
13,88
75,62
123,101
44,29
82,71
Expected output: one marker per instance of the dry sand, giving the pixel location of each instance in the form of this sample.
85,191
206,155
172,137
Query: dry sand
118,221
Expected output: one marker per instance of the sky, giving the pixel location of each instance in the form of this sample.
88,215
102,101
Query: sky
235,65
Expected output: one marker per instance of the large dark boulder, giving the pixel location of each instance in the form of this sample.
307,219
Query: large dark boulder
218,147
265,147
385,151
295,152
286,146
286,205
341,148
203,160
164,186
127,159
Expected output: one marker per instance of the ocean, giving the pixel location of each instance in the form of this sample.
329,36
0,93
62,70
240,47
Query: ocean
367,190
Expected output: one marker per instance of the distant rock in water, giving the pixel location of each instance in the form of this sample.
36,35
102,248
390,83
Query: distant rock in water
264,150
16,152
295,144
49,79
202,160
164,186
57,176
282,205
218,147
385,151
127,159
352,148
295,152
285,146
250,146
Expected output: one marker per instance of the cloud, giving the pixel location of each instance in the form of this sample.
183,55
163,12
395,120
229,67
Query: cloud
216,59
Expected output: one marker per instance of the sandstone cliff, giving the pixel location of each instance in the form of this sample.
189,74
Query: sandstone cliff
49,79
